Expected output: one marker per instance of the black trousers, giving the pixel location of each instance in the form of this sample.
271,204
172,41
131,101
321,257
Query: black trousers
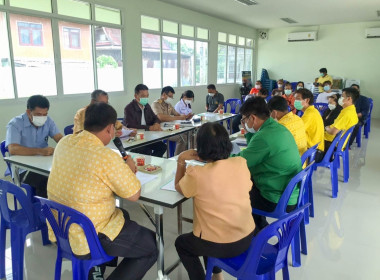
136,244
261,203
37,181
156,149
190,248
355,132
236,122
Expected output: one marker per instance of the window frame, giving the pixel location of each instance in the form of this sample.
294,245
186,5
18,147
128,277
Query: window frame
30,32
70,45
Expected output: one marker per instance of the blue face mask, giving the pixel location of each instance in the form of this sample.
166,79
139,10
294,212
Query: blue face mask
321,74
144,101
326,88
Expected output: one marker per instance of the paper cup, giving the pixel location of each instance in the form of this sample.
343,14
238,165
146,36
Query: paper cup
140,161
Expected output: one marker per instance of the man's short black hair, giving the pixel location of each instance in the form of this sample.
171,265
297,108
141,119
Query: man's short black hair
305,93
255,106
167,89
37,101
140,87
98,116
259,81
264,91
96,93
351,92
213,142
323,70
278,103
355,85
327,83
211,86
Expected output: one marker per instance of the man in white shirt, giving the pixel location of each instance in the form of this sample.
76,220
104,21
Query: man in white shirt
323,96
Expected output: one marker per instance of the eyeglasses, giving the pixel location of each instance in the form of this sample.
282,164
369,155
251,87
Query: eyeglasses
243,119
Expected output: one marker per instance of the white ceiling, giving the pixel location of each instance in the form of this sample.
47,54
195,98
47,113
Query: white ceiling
267,13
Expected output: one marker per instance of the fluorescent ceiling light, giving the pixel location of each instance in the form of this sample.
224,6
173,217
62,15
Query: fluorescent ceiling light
288,20
247,2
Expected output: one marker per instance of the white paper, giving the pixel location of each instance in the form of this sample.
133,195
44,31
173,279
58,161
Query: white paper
241,141
169,186
145,177
125,132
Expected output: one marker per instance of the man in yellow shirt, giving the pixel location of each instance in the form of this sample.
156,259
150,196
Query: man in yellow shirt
278,107
323,77
86,176
347,117
312,120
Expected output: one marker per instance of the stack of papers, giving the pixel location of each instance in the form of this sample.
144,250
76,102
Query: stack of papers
145,178
169,186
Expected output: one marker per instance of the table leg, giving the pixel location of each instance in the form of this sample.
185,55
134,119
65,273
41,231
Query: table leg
16,175
158,213
179,218
188,140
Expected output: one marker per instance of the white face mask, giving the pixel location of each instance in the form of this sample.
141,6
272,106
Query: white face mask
299,87
169,100
249,129
39,120
331,106
288,91
211,94
340,101
279,85
257,86
188,101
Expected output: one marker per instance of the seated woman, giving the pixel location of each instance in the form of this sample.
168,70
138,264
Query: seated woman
280,88
300,85
223,223
333,111
183,106
288,95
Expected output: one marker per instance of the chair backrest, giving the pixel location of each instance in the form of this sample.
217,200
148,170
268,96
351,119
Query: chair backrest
68,129
5,153
61,221
309,155
283,230
330,151
25,202
234,103
321,107
342,141
370,108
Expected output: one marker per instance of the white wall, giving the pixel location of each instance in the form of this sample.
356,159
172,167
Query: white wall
341,48
63,109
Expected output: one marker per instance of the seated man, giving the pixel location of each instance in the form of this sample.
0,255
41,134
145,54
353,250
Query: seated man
165,112
214,99
258,86
86,176
323,96
312,119
279,91
272,158
347,117
278,108
138,114
96,96
28,134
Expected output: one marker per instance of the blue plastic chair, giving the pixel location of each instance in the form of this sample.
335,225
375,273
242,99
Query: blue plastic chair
68,129
329,162
5,153
342,151
235,105
67,216
20,222
321,107
308,157
299,180
367,126
262,259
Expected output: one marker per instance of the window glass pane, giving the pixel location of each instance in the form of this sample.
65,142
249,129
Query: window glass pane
187,30
6,84
33,55
170,27
231,39
239,63
169,61
1,2
241,41
187,62
249,43
222,37
231,64
150,23
201,63
202,33
38,5
74,8
76,57
151,60
107,14
248,60
222,56
109,59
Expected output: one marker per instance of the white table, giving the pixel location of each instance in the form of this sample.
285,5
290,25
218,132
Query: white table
151,193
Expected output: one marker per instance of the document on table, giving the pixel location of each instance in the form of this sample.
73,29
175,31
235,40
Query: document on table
145,177
241,141
125,132
169,186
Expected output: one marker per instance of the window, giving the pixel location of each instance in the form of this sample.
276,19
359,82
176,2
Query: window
6,84
71,37
239,63
187,62
151,59
222,66
30,34
107,14
38,5
201,63
75,8
231,64
169,61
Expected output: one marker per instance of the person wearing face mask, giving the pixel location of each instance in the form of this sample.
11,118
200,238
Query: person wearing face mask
289,97
101,175
165,112
214,99
183,106
280,88
347,117
28,134
278,108
312,119
138,114
272,158
323,77
300,85
333,111
258,86
323,96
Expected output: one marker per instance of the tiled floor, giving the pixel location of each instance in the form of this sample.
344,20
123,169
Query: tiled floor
343,238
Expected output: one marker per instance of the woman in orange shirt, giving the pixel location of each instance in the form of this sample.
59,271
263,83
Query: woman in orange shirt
288,95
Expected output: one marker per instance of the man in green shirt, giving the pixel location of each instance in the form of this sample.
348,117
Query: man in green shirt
272,158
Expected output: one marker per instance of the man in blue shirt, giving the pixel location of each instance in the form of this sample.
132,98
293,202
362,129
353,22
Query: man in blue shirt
28,134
